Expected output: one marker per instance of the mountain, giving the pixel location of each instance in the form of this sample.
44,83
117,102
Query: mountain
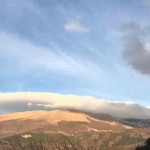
65,121
138,122
107,131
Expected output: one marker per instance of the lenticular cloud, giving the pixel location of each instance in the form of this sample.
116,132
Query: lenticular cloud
25,101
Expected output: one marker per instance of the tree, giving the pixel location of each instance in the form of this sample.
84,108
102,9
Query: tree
144,147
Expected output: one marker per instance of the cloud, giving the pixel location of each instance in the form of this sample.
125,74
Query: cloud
23,101
137,47
76,27
21,54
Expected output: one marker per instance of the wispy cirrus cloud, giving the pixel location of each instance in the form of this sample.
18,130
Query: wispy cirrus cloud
76,26
24,101
24,55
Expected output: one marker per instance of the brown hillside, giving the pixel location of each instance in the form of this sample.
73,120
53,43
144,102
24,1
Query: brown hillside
60,121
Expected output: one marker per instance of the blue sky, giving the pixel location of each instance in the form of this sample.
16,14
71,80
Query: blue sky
83,47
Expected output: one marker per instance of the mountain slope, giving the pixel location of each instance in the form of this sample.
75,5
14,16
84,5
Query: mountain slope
57,121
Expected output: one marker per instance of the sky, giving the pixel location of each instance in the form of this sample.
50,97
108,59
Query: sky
88,48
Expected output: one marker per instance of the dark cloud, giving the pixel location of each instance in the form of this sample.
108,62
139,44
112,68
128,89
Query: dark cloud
137,47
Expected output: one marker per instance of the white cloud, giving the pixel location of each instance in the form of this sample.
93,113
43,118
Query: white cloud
23,55
76,27
20,101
